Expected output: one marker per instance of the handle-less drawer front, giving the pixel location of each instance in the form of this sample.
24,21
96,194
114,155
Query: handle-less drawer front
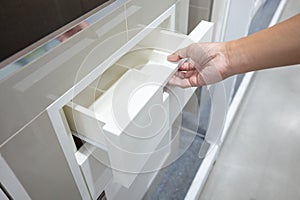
96,174
126,111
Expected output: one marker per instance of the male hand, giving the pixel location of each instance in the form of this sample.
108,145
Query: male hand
208,64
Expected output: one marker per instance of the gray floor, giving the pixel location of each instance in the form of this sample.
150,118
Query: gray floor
260,159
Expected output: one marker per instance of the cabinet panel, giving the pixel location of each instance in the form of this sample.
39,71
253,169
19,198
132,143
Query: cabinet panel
36,158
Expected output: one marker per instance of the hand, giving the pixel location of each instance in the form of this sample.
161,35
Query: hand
208,64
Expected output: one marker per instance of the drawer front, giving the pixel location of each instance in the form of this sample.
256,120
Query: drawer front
143,181
130,151
178,99
92,162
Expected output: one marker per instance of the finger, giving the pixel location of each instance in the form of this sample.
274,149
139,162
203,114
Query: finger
187,66
179,82
180,74
189,74
177,55
173,58
184,74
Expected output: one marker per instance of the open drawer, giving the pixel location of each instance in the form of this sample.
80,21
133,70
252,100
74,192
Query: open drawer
128,110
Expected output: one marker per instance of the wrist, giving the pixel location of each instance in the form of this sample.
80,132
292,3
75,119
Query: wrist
231,57
225,53
238,59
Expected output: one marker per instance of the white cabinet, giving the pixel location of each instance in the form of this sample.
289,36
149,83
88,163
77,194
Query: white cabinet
126,111
107,86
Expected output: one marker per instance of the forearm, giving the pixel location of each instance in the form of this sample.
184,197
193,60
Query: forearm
272,47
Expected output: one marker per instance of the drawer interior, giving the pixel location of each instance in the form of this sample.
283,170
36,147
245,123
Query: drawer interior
97,97
91,109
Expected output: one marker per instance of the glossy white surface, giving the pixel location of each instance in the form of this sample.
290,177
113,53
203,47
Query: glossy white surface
35,157
143,181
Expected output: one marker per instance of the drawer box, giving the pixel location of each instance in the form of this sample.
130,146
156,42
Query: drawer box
127,110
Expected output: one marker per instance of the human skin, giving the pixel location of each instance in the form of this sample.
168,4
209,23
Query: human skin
212,62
